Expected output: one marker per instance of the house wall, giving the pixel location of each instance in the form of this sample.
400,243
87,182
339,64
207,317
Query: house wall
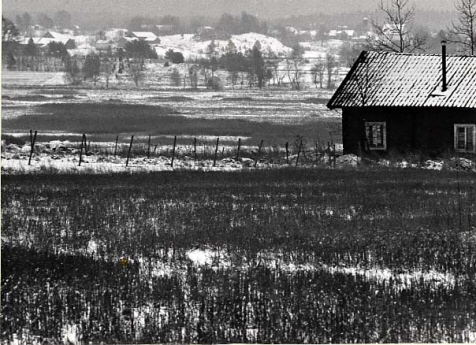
429,130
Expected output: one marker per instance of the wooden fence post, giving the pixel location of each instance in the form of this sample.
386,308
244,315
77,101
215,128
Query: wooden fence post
238,151
148,149
299,153
81,150
32,142
216,151
129,152
287,152
195,148
173,152
115,147
317,152
259,152
334,154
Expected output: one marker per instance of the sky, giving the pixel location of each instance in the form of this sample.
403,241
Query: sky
262,8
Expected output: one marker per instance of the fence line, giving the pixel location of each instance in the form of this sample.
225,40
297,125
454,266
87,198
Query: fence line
303,154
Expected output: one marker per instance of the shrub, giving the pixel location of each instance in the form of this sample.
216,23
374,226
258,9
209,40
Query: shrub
175,78
215,83
10,139
174,57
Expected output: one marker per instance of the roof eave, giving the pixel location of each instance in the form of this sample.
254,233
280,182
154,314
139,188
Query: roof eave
347,77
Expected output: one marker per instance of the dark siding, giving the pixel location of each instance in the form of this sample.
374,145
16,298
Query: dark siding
427,130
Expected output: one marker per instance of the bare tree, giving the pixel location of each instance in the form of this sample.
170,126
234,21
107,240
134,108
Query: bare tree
135,70
294,67
317,72
107,68
193,75
330,67
175,78
464,32
396,34
73,71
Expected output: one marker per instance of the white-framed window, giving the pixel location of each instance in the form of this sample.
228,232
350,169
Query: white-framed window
465,137
376,134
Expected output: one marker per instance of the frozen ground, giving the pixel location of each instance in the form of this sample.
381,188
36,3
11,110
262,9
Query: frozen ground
63,157
33,78
279,106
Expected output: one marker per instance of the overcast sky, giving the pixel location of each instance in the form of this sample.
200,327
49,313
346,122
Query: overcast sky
262,8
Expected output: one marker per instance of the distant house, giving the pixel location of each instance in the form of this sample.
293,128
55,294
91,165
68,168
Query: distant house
147,36
115,34
341,34
404,102
333,34
165,29
52,36
56,36
105,45
203,30
292,30
392,31
122,41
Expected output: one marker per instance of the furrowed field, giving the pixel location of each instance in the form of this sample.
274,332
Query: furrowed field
287,255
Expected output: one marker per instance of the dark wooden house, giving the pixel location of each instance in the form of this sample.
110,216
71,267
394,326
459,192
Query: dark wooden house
408,103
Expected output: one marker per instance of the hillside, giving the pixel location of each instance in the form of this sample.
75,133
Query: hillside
190,47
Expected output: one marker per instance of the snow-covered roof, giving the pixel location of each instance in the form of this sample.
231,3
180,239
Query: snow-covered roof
292,29
392,28
42,42
56,35
115,33
145,35
407,80
81,51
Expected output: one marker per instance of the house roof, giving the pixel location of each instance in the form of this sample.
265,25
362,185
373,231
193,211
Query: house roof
384,79
145,35
56,35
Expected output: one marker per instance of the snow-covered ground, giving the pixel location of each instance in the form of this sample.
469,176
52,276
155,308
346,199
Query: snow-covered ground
33,78
63,157
192,48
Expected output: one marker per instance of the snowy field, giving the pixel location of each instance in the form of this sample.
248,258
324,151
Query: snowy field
32,78
254,255
207,244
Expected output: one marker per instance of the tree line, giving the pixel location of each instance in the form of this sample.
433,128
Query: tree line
253,68
397,33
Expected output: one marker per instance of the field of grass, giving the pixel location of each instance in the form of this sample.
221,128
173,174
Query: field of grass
103,121
283,256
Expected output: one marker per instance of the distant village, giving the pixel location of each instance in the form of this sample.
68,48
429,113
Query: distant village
112,40
239,51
